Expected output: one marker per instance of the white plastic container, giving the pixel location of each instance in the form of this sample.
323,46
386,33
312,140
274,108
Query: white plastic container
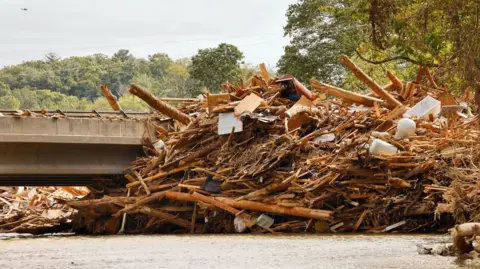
428,106
324,138
264,221
379,146
159,145
240,224
405,128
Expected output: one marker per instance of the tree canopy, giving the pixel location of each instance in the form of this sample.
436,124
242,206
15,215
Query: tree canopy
212,67
398,35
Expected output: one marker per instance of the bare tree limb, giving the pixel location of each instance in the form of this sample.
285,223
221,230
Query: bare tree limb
396,58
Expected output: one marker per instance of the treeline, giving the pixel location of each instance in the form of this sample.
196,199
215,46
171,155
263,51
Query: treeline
73,83
398,36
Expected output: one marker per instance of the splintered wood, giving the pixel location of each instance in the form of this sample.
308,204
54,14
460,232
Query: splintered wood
297,164
37,210
112,100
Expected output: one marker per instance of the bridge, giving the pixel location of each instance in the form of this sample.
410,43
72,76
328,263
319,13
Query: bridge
67,148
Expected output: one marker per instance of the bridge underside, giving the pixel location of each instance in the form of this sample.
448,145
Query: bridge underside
68,151
62,164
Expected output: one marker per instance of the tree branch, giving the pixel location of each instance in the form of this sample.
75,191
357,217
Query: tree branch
396,58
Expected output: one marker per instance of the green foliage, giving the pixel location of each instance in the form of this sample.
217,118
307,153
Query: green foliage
397,35
39,99
101,104
320,32
9,102
73,83
132,103
213,66
81,76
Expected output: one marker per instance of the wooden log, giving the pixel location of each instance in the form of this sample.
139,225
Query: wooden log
180,196
292,211
391,101
143,201
344,94
165,216
112,100
408,91
157,188
159,105
216,203
395,81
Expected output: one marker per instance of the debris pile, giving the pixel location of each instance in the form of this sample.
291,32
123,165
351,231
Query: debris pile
37,210
271,156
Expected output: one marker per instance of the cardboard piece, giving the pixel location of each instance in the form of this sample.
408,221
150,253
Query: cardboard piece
248,104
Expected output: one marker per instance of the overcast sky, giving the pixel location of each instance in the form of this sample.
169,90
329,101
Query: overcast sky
176,27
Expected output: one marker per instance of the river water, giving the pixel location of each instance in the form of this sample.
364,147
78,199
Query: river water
224,251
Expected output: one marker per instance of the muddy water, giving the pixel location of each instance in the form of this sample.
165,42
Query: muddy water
219,252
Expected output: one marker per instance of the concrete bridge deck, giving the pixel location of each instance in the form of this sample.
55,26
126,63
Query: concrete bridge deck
77,146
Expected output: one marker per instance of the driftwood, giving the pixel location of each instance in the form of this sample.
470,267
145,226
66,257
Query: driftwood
112,100
346,95
159,105
292,211
459,234
392,102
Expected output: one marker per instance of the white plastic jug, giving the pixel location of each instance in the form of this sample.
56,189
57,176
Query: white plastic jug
379,146
405,128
